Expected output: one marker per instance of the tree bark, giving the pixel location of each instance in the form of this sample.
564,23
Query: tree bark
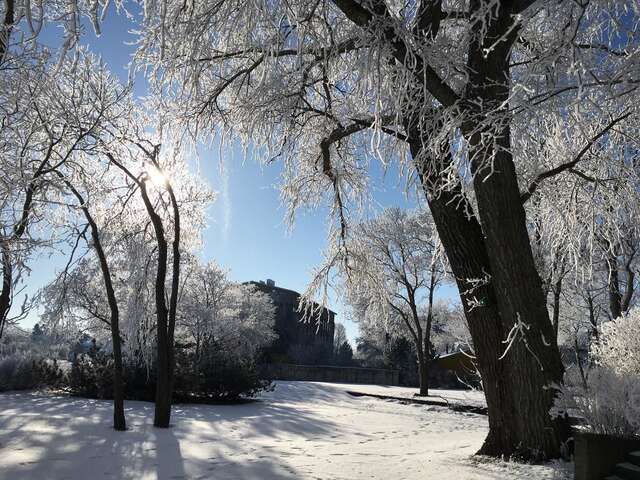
629,286
534,353
613,286
423,372
7,284
164,348
593,321
463,242
516,388
119,421
557,291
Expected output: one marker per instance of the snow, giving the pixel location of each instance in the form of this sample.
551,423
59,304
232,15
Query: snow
302,430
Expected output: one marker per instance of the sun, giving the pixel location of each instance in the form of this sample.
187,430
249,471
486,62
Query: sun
157,176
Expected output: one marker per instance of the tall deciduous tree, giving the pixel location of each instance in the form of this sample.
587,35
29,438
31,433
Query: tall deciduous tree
155,172
57,115
394,266
215,312
322,84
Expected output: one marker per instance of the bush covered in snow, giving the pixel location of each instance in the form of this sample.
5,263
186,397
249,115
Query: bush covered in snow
24,371
609,396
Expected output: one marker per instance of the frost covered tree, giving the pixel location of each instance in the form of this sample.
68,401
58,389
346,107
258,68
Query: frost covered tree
442,86
608,396
131,195
393,268
51,116
67,109
46,96
217,313
161,177
113,320
22,22
339,336
584,225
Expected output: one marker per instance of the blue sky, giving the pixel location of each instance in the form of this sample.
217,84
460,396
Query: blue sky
247,233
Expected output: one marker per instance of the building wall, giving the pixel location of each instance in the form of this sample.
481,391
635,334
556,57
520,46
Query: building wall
299,340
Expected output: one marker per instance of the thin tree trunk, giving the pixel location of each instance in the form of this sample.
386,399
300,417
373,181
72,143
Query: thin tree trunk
7,27
7,284
593,321
613,286
629,286
576,349
18,230
165,317
119,421
162,413
423,372
557,291
175,286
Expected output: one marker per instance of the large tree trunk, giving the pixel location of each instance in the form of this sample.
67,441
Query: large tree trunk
463,242
533,353
516,389
462,239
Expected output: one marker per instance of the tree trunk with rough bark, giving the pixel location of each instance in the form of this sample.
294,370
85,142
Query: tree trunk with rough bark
463,242
533,353
516,387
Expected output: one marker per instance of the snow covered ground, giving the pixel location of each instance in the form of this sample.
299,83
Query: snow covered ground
302,430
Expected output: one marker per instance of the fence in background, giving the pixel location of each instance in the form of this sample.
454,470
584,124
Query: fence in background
331,374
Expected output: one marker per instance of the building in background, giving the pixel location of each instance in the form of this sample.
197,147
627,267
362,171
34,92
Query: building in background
302,341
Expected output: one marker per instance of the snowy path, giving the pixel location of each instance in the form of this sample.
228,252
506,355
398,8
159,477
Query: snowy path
301,431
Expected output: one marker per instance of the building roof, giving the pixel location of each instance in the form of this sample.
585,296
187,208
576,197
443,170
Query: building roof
270,285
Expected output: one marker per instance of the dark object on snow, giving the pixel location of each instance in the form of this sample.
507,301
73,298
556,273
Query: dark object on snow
456,407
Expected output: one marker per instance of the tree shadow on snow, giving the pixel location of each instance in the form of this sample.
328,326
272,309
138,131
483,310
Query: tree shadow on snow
53,437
